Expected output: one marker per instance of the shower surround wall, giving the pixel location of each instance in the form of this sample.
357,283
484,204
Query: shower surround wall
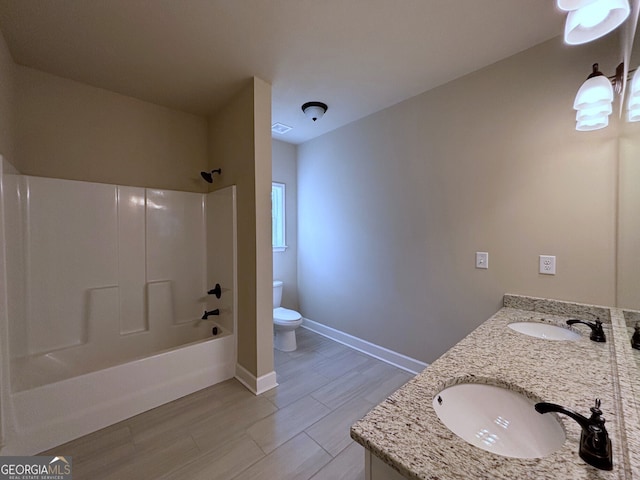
105,279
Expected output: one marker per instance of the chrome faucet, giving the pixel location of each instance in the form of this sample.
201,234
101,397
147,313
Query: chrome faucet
597,333
595,444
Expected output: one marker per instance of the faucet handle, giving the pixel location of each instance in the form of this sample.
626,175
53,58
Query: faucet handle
596,414
635,339
597,445
217,291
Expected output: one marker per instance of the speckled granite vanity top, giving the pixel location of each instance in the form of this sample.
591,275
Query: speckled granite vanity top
405,432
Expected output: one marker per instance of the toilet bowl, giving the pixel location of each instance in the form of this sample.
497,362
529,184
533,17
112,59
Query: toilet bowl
285,322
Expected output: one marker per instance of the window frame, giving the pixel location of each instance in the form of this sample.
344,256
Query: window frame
278,188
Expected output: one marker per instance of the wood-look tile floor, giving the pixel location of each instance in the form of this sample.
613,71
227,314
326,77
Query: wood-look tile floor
299,430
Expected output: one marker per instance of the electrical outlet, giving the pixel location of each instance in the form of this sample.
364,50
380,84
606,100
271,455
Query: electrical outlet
482,260
548,264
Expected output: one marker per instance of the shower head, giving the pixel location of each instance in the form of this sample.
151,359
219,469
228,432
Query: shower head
208,177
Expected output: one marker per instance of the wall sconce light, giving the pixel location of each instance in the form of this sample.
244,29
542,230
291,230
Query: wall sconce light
314,110
633,105
591,19
595,97
593,102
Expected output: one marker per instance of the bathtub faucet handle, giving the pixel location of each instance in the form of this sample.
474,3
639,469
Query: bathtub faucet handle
217,291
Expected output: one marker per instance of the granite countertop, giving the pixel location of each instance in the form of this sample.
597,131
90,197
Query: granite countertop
405,432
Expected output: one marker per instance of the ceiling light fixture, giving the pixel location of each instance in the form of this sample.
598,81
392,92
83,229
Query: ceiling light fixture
314,110
591,19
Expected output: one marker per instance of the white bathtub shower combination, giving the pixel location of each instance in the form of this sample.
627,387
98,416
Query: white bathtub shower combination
106,287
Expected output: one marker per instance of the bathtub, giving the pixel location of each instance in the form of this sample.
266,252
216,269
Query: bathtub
101,318
45,416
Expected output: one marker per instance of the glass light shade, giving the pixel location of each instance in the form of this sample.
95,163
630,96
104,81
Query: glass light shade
597,111
593,123
314,112
634,85
594,91
568,5
594,20
634,114
634,102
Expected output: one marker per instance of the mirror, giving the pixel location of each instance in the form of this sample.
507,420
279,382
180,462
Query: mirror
628,261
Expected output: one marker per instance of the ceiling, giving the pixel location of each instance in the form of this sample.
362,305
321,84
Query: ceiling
357,56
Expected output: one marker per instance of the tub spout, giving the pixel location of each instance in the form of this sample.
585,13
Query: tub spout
210,312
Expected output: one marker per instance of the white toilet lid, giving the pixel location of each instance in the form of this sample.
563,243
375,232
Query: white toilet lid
281,314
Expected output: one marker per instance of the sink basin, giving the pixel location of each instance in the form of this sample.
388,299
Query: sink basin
544,330
498,420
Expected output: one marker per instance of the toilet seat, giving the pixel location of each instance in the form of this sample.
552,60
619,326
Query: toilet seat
284,316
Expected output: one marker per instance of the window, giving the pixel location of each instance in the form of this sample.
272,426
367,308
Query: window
277,217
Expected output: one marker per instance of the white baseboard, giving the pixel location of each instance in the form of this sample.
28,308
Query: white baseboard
256,385
396,359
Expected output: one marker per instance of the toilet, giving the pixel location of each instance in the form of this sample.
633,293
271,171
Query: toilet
285,322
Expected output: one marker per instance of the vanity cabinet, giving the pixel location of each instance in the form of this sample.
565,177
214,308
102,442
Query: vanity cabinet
410,441
376,469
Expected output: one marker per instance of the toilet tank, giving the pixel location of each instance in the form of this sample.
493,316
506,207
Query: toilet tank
277,293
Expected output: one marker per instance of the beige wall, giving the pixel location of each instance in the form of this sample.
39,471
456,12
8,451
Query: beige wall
240,144
65,129
264,255
7,103
489,162
285,264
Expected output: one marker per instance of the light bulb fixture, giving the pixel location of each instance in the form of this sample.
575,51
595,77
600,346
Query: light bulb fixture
314,110
593,123
591,19
592,112
634,115
568,5
633,105
597,90
594,100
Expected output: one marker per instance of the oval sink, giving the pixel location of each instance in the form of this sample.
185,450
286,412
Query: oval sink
544,330
498,420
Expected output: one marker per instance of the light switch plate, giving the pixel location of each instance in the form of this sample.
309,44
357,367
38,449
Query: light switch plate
482,260
548,264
